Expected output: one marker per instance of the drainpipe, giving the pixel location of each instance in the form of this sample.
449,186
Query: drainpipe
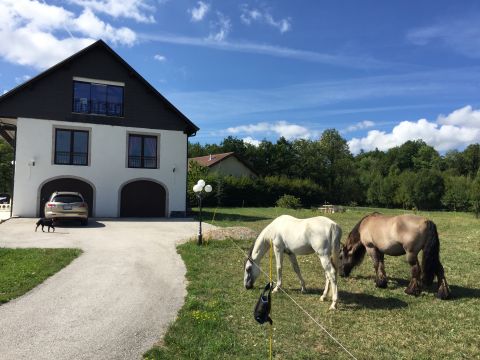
14,166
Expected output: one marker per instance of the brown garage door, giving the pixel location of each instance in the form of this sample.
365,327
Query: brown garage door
143,198
66,184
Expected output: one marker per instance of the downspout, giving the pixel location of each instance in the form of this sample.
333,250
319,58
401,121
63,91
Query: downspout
186,177
14,166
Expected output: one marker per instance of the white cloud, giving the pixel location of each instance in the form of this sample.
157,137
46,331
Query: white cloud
358,61
460,35
251,141
198,13
465,116
222,28
138,10
248,16
89,24
359,126
31,32
160,58
22,79
456,130
280,128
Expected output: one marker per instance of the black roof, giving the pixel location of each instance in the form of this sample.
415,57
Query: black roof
8,108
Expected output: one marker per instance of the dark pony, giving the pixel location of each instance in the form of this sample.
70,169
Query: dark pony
396,235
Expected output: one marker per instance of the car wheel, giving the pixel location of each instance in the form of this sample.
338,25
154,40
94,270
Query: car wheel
84,222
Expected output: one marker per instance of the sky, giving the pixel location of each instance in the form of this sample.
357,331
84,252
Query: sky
380,72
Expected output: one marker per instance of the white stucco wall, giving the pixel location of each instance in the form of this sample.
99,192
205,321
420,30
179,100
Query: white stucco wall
107,169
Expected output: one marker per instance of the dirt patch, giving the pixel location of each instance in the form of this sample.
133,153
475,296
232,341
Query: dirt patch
233,232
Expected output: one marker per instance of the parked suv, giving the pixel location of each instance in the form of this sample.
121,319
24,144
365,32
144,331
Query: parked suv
67,205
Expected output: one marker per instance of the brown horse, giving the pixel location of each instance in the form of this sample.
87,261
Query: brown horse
379,234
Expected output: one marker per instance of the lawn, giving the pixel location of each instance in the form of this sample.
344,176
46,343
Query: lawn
23,269
216,321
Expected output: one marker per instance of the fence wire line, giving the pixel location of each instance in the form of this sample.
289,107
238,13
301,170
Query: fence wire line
299,306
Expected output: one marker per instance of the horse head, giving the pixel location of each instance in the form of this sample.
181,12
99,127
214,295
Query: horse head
353,252
251,271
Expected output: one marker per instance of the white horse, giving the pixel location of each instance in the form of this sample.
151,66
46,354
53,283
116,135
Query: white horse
293,237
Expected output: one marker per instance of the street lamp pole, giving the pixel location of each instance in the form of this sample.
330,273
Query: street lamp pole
200,189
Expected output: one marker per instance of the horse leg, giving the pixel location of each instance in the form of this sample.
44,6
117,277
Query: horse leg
296,268
414,288
279,264
327,288
379,265
331,276
443,291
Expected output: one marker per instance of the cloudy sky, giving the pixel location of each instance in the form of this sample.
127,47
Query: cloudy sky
381,72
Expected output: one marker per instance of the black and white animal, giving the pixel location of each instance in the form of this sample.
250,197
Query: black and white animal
45,222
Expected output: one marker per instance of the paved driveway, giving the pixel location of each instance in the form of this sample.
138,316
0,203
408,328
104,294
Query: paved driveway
113,302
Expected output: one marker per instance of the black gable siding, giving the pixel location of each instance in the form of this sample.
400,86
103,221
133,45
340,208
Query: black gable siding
50,97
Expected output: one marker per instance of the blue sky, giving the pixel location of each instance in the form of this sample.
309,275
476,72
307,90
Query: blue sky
381,72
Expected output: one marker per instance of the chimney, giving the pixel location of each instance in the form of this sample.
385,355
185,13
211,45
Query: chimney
210,158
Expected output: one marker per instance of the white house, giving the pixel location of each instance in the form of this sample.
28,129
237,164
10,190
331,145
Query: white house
92,124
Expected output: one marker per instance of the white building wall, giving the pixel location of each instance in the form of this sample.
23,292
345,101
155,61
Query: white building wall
107,170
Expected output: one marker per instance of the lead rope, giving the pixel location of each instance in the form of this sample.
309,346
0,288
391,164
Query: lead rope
271,285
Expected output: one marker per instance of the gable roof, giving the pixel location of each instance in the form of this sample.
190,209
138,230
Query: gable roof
189,127
213,159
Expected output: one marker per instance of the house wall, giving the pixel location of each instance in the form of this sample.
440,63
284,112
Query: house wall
231,166
107,170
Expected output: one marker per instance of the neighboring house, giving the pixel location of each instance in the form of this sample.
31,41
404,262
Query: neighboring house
92,124
227,164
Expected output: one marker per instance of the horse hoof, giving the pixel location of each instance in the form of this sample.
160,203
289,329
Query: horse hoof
322,298
382,284
333,306
414,291
275,289
303,290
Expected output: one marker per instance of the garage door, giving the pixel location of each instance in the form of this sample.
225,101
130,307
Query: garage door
66,184
143,198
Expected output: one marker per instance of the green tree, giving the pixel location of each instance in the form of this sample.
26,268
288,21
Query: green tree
457,192
475,195
6,167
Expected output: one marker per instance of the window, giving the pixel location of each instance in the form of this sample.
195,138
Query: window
100,99
71,147
142,151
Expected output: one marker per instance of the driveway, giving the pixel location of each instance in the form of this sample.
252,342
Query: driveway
113,302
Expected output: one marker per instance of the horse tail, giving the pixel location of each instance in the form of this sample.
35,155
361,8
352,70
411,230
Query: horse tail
431,254
335,237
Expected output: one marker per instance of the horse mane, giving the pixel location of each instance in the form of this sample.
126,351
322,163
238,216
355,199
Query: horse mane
353,241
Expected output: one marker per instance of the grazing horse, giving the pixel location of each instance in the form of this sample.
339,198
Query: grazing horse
293,237
379,234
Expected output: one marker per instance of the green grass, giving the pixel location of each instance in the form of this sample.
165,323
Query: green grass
23,269
216,321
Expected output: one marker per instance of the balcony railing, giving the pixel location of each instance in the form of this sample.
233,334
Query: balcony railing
69,158
148,162
97,107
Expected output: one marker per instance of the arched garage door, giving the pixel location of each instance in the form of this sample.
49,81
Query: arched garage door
66,184
143,198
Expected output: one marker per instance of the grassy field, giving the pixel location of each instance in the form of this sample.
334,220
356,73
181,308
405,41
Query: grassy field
216,321
23,269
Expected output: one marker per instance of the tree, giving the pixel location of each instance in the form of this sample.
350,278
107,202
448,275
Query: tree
457,192
6,167
428,189
475,194
337,161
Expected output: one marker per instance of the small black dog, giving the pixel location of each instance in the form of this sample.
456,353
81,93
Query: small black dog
45,222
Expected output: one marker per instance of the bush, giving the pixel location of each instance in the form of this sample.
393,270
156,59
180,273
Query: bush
289,202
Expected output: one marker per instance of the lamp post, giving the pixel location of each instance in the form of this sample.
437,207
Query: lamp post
200,189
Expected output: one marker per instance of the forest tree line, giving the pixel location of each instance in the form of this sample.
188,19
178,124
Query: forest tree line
413,175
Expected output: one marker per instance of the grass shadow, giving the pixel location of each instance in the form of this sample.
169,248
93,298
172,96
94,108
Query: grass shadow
209,215
356,301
